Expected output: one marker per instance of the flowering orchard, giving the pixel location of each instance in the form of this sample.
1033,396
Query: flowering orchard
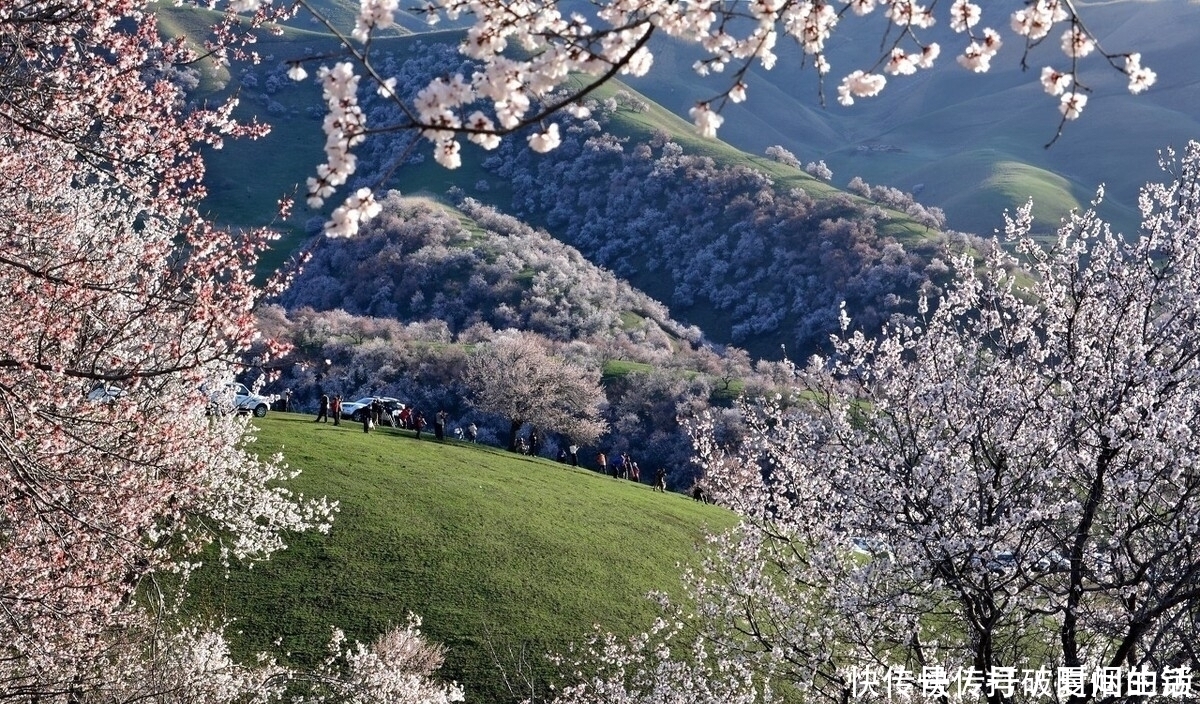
121,303
1008,483
535,58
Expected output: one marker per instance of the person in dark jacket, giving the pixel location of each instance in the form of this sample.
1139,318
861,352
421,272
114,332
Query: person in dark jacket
323,409
439,424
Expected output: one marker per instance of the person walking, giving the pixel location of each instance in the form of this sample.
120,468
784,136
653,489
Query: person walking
336,409
660,480
365,414
323,409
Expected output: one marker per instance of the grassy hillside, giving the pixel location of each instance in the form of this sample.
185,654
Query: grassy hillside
490,548
933,121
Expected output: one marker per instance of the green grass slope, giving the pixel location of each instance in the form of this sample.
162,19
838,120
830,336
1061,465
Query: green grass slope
493,550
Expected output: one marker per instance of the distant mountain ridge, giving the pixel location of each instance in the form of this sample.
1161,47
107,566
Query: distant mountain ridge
971,144
975,143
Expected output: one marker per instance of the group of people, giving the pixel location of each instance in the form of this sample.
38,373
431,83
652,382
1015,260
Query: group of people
623,467
410,419
371,416
378,413
531,445
326,407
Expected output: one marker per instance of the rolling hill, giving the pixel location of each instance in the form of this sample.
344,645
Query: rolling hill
960,135
497,552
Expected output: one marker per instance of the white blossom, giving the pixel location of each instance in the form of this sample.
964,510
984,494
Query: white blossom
545,141
707,121
901,64
1055,82
1071,104
1076,43
446,153
1139,78
860,85
964,15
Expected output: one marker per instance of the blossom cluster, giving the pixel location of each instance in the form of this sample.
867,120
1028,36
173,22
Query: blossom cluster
505,92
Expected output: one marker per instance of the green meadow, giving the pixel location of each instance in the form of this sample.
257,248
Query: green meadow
505,557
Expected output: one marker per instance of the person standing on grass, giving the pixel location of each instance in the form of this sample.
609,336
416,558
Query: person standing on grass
603,462
660,480
323,409
336,409
472,432
439,424
418,423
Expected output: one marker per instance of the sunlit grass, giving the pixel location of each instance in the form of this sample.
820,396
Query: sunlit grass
490,548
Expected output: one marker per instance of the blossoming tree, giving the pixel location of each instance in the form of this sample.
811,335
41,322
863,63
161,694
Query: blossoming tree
120,302
998,500
514,376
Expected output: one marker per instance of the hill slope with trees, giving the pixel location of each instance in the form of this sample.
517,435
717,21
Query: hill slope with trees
399,310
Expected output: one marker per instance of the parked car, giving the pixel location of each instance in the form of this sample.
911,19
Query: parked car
242,399
871,547
1053,561
354,409
106,393
998,563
